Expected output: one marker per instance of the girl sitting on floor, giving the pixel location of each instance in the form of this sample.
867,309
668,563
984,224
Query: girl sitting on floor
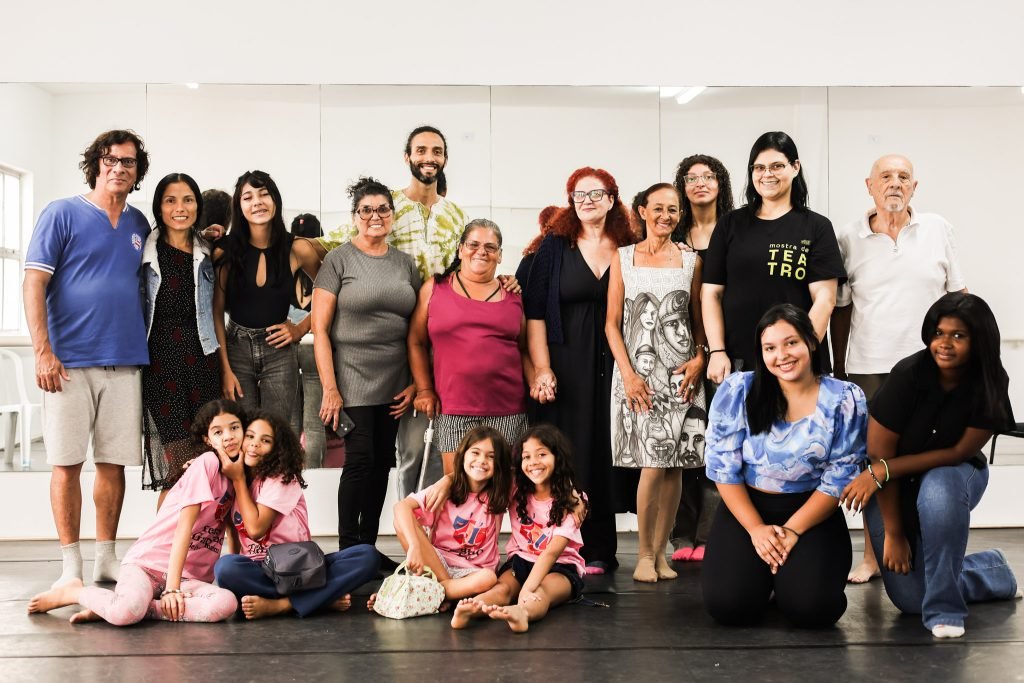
462,549
271,508
167,573
544,566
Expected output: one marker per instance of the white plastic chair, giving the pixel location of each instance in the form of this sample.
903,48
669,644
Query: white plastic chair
16,408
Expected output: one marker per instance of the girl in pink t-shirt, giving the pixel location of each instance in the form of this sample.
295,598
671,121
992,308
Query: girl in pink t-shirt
544,567
167,573
271,508
462,547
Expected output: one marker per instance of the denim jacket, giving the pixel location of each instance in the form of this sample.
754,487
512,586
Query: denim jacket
202,272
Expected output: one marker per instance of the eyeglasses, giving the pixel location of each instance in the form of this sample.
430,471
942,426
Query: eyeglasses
489,247
366,211
776,168
579,196
707,179
110,161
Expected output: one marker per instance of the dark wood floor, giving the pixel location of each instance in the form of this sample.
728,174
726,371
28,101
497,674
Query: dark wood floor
646,633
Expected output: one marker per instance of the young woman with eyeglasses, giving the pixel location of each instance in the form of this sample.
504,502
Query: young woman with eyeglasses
705,189
363,299
566,301
475,332
770,251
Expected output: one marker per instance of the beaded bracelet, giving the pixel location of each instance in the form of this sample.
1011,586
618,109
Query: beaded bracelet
172,591
873,477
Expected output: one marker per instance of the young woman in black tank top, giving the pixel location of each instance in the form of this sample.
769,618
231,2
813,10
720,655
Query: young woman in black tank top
256,266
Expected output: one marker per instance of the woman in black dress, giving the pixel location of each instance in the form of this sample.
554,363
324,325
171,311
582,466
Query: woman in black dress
566,298
183,371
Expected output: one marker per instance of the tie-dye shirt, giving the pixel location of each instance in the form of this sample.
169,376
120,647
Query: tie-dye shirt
429,235
464,535
822,451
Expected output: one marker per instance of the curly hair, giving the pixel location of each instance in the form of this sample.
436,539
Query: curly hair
286,458
499,486
567,224
545,218
90,163
723,203
204,416
216,209
561,481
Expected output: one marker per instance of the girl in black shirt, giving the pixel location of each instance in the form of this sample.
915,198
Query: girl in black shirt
928,423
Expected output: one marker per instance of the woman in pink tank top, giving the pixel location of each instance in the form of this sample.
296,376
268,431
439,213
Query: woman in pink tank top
477,332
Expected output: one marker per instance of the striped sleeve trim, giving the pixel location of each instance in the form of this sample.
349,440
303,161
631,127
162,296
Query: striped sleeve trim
37,265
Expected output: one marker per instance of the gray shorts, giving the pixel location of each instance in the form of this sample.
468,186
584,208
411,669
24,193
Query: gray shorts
449,429
457,572
103,403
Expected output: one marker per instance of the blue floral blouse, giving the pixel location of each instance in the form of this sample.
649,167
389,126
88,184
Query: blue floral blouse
822,451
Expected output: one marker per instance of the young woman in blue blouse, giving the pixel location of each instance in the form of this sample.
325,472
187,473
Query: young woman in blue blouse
782,443
928,423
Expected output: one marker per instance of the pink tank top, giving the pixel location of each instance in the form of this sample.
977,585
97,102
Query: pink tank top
477,367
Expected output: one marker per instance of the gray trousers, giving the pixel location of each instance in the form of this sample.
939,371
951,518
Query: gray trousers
410,455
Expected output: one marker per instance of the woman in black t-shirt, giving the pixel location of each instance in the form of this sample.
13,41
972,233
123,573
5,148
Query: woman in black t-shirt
773,250
928,423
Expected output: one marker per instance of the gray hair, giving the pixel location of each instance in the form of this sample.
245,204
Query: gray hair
485,223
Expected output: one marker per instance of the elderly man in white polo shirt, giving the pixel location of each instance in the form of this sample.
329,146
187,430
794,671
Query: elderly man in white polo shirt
898,263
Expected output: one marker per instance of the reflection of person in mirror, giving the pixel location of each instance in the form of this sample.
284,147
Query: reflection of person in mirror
898,262
85,318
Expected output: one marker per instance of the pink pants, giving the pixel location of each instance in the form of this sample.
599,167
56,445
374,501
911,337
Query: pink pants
136,597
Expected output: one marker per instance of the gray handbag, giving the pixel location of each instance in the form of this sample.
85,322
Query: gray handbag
295,566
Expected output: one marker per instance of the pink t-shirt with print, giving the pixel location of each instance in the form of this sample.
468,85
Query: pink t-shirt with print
464,535
291,524
531,536
202,484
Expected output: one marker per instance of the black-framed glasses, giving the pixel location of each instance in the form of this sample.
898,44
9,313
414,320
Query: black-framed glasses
490,248
776,168
579,196
366,211
707,179
110,161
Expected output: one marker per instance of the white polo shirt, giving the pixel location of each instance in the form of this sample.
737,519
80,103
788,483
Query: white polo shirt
892,285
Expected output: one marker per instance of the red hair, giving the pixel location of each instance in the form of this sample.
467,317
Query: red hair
565,223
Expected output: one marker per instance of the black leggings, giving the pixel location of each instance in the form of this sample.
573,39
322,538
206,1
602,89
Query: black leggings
809,588
369,457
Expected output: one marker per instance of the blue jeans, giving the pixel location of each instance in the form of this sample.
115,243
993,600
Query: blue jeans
942,580
269,377
347,570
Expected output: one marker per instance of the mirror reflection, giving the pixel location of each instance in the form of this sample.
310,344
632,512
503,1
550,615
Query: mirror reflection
510,151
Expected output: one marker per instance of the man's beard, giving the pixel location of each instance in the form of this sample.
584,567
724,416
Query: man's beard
426,180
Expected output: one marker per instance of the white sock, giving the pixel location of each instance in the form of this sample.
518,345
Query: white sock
71,555
107,565
944,631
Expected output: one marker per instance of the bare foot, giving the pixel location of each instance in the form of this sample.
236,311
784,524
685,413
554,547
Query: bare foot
342,604
255,607
664,571
369,603
515,615
864,572
61,596
84,616
645,571
466,610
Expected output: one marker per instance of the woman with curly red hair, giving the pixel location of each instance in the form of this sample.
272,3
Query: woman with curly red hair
566,297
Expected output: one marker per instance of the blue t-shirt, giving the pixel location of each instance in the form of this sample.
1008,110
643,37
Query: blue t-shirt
822,451
94,297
